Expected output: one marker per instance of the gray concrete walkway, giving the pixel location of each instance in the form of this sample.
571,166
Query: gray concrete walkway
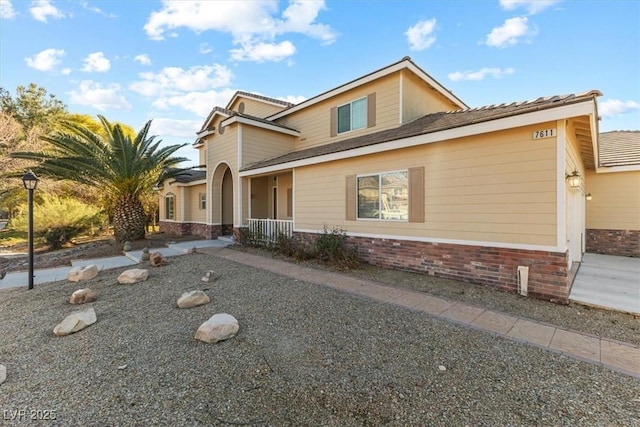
608,281
614,355
20,278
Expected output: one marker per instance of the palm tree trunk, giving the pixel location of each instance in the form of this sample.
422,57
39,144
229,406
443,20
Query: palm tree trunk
129,219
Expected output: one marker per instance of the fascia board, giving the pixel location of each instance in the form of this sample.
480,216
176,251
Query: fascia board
256,123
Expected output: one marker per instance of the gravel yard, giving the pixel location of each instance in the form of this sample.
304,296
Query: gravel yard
305,355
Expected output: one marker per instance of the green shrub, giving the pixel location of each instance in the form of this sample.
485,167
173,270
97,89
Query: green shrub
330,248
57,220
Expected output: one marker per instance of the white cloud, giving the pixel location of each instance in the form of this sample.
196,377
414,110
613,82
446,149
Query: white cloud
175,128
143,58
420,36
173,80
532,6
101,97
480,74
615,107
510,32
204,48
6,10
95,9
262,52
96,62
199,103
253,25
293,99
66,71
41,10
45,60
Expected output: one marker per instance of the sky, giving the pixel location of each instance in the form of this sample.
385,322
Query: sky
173,61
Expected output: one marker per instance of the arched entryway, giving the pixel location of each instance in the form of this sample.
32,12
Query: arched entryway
227,203
222,198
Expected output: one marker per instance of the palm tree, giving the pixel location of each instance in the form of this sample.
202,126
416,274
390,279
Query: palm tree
121,167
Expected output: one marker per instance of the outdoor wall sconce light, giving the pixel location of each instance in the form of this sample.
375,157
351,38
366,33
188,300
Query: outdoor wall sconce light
589,196
574,179
30,181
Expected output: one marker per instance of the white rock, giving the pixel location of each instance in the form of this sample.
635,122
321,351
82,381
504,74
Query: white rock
82,296
193,299
219,327
442,368
75,322
79,274
3,373
133,275
209,276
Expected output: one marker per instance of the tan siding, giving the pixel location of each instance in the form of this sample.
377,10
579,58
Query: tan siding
498,187
175,190
259,144
315,122
194,213
285,182
419,99
615,203
256,108
573,158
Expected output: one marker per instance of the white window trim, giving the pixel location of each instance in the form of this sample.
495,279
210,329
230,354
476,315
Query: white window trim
202,197
351,129
358,176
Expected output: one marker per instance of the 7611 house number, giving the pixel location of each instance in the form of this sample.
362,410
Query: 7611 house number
546,133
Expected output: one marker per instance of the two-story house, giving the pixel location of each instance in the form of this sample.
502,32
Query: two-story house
417,179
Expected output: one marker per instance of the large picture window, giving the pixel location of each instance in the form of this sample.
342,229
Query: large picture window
383,196
352,116
169,206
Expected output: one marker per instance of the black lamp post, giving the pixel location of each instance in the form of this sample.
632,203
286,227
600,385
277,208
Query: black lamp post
30,182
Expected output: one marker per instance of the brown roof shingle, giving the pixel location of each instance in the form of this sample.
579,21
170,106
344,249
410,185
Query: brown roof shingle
619,148
428,124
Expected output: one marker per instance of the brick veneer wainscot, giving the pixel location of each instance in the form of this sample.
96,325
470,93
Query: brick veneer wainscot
548,271
614,242
186,228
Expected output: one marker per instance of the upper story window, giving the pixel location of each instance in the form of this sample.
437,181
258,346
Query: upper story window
352,116
357,114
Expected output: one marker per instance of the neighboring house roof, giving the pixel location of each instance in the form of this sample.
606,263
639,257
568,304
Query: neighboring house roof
619,148
431,123
241,93
404,63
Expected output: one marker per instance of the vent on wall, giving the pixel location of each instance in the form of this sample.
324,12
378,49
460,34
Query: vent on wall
523,280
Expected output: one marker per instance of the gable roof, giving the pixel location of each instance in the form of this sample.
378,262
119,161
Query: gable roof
262,98
190,175
619,148
404,63
432,123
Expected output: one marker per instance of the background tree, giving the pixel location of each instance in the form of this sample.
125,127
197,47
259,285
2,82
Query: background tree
120,167
33,107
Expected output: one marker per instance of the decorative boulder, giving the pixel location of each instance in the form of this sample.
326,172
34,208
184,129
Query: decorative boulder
75,322
80,274
82,296
126,247
156,259
133,275
193,299
209,276
3,373
145,254
219,327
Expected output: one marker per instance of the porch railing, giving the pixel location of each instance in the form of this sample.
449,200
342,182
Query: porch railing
268,230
